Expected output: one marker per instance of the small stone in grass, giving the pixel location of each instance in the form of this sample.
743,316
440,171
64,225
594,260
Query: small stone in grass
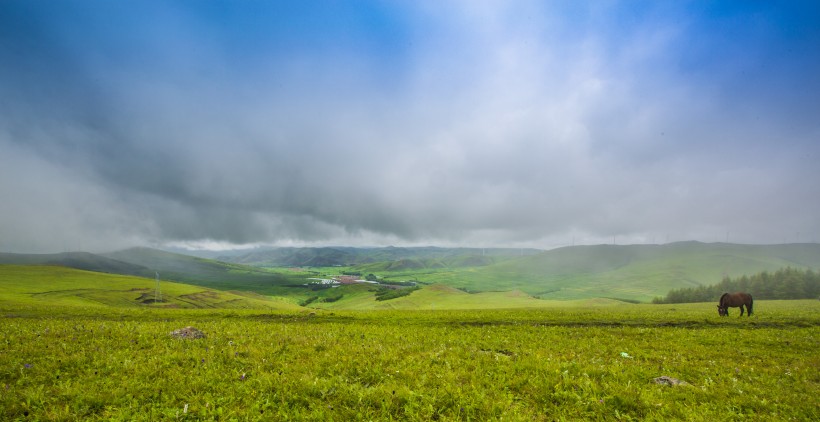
187,333
664,380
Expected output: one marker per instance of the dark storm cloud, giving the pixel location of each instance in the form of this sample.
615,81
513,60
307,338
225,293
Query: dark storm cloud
448,124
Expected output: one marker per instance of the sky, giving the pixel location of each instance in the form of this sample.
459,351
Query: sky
222,124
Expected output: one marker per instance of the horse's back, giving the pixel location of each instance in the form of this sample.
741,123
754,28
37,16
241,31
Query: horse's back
744,297
735,299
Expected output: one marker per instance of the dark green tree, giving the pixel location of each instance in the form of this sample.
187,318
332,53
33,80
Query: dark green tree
786,283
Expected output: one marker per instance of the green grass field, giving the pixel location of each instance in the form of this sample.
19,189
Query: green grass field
569,363
78,345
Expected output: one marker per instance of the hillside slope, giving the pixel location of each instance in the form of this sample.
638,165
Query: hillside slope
146,262
440,297
632,272
61,286
79,260
203,272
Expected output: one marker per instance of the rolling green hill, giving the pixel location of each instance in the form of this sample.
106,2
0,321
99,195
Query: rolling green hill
205,272
633,272
146,262
439,296
79,260
626,273
61,286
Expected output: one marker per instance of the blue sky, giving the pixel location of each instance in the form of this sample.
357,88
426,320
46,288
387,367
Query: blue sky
478,123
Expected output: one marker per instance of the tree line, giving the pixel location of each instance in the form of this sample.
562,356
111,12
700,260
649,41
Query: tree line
785,283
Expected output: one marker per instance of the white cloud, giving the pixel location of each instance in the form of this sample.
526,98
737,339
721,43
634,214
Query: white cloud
520,126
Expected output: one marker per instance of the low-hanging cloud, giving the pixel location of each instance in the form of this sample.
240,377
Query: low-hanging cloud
456,124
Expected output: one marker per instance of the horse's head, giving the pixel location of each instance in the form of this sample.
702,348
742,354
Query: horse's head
722,311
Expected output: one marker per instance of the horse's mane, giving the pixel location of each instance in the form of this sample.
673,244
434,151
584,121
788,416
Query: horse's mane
721,298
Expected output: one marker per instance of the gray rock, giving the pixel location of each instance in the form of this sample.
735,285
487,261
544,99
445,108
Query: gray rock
664,380
187,333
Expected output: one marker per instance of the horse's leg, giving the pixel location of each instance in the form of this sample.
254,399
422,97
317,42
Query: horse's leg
741,310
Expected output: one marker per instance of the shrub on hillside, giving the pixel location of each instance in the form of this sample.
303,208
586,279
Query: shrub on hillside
387,293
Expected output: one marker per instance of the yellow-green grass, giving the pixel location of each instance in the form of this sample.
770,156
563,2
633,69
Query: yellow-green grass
567,363
59,286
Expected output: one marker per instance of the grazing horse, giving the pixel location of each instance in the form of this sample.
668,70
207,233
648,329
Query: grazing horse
735,300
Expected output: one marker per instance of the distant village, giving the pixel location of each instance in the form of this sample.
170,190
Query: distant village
341,280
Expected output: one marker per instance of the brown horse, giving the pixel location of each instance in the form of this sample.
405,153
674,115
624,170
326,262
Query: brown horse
735,300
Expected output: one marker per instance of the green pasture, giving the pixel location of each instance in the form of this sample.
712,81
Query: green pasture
582,361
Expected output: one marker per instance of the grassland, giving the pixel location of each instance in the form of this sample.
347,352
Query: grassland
145,262
206,272
53,285
635,272
442,297
58,286
567,363
79,345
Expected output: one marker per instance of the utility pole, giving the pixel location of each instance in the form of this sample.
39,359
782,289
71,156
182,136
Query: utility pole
157,292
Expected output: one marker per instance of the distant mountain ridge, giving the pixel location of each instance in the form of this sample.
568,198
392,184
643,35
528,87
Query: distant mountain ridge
348,256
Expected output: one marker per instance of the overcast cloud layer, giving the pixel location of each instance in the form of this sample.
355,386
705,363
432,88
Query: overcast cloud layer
514,123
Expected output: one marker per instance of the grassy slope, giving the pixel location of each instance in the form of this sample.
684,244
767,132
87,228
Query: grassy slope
205,272
51,285
638,272
79,260
146,262
439,296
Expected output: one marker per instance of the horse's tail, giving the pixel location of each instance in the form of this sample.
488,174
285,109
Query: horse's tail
751,302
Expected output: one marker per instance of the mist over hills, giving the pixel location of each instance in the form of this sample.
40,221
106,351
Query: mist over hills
78,260
201,271
624,272
347,256
601,258
639,272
